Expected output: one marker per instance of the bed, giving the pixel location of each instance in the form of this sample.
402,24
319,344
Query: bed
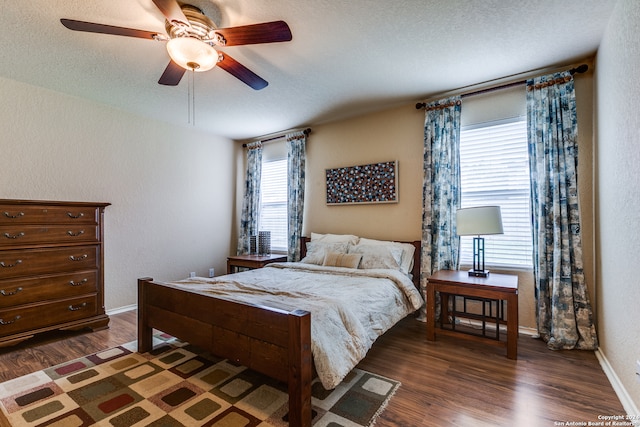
273,335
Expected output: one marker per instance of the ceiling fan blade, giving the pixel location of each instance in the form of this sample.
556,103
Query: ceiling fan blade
91,27
172,11
267,32
241,72
172,74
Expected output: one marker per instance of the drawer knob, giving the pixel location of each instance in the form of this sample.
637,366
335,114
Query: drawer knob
70,215
77,307
18,215
9,293
3,265
8,322
78,258
72,234
82,282
13,236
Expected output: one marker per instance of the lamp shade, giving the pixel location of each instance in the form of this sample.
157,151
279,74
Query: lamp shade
191,53
478,221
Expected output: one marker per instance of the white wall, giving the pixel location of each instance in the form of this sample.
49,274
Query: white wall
170,187
618,194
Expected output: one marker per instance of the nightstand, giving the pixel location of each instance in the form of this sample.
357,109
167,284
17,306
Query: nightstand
252,261
491,292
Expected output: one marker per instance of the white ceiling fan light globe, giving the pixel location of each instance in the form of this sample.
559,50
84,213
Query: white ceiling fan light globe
187,51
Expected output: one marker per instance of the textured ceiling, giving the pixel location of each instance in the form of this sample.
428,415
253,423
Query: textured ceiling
346,57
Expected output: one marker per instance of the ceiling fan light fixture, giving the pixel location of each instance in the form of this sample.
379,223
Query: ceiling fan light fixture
192,54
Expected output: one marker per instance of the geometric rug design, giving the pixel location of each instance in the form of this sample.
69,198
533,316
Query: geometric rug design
178,385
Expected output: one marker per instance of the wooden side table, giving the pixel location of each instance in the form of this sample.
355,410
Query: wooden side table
494,288
252,261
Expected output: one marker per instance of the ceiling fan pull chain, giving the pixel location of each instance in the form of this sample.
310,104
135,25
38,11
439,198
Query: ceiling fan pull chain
189,77
193,96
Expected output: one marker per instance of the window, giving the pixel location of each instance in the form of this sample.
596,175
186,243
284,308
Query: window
494,168
273,203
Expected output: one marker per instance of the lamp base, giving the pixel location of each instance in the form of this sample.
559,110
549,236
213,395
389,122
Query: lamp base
478,273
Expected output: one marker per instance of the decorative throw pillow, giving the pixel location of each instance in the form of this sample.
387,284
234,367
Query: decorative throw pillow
333,259
378,256
316,251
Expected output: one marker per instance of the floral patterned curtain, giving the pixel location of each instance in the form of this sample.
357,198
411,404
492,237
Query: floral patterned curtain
296,157
441,189
251,202
563,312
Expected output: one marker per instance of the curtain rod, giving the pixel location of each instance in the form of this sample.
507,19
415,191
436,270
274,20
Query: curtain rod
579,69
268,138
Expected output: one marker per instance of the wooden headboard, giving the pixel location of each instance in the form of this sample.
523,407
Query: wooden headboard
415,272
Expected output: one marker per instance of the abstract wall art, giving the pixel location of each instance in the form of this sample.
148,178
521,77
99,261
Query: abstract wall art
372,183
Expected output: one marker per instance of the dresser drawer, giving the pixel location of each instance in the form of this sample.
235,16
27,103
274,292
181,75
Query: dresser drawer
34,214
15,292
31,262
43,234
36,316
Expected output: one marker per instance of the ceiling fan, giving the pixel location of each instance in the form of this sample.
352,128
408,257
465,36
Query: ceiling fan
191,38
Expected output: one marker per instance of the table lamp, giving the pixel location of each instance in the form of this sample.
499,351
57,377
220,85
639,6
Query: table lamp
478,221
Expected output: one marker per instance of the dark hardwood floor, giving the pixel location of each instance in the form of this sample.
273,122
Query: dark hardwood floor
449,382
53,348
454,382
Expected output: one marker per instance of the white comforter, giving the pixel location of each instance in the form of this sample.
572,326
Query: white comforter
350,308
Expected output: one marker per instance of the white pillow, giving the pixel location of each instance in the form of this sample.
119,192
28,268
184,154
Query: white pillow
378,256
406,263
335,238
316,251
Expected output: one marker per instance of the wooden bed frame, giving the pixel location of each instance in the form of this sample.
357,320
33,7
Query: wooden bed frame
274,342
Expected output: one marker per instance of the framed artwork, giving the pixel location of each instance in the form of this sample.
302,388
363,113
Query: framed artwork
373,183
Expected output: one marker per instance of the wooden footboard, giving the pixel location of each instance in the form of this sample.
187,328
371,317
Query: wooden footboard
274,342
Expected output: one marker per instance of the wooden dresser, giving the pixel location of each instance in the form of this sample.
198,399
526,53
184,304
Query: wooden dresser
51,267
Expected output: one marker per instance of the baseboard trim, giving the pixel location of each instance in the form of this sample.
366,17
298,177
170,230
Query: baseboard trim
527,331
122,309
627,403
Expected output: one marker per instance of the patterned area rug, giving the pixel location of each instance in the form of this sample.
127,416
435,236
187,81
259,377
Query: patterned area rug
178,385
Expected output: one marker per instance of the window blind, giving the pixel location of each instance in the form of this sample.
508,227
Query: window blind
494,168
273,203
